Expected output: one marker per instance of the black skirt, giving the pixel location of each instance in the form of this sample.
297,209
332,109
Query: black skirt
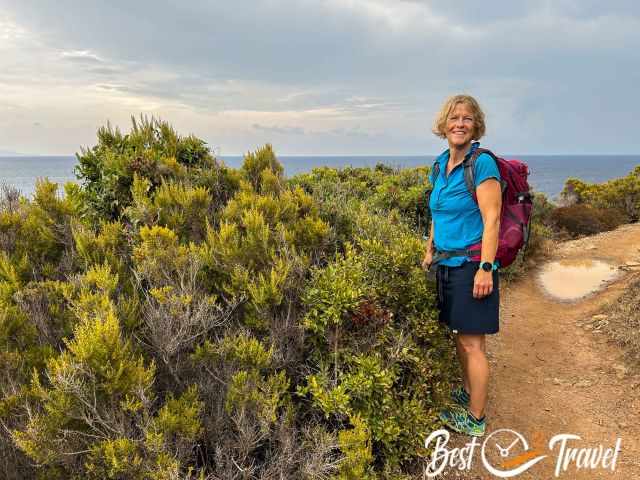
458,309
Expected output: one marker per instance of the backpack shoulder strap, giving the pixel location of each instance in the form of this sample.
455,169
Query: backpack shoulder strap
470,169
435,171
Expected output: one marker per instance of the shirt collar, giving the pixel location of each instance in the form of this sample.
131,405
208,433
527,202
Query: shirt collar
444,156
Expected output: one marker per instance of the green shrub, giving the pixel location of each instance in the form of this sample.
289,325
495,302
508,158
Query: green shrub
359,309
621,194
36,236
170,317
582,219
262,169
153,151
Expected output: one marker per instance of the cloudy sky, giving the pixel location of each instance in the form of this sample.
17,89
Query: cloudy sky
321,76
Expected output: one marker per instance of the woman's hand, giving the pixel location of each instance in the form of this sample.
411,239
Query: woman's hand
482,284
427,260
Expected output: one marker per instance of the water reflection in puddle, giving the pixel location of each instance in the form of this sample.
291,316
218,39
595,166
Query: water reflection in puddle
575,278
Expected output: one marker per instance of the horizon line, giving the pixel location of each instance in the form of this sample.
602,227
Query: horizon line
340,155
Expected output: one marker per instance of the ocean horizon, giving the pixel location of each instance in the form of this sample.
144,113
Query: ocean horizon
548,172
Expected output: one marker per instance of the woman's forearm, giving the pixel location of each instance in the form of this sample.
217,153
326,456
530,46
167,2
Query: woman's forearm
429,247
490,238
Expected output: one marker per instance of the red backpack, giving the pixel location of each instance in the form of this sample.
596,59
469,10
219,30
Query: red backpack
517,207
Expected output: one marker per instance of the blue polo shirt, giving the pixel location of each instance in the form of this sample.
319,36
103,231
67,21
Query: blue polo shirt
457,222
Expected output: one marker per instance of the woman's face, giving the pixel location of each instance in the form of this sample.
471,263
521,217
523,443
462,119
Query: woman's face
460,126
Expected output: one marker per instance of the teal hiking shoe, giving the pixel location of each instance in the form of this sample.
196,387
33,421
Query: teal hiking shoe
462,421
460,396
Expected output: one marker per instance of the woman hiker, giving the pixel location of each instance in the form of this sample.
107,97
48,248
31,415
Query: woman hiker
468,295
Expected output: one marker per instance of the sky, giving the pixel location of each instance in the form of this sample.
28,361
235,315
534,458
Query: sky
321,77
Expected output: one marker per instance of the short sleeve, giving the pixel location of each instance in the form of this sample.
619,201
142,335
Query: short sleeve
485,168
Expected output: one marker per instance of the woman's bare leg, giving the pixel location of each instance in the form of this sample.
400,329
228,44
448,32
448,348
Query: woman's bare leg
477,370
462,358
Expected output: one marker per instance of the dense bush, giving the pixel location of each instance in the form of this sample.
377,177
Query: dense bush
382,189
622,194
594,207
582,219
154,152
173,318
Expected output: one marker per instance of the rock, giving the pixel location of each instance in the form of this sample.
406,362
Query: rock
583,383
565,381
621,371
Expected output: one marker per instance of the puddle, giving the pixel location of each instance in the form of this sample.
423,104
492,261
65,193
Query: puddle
575,278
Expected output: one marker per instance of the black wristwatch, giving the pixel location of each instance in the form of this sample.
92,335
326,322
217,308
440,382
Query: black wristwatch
487,266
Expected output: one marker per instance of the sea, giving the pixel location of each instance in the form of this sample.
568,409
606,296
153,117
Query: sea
548,172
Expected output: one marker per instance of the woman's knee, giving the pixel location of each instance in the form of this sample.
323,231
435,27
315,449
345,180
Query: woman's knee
472,344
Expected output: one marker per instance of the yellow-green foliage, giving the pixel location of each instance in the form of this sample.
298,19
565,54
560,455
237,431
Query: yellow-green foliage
336,292
291,213
170,318
356,445
34,235
178,421
151,150
359,310
107,245
162,260
46,305
255,387
92,387
115,459
169,437
242,351
621,194
382,189
262,169
179,207
183,209
249,390
262,245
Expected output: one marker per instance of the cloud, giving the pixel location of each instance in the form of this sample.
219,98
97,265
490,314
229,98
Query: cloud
279,130
549,73
81,56
353,132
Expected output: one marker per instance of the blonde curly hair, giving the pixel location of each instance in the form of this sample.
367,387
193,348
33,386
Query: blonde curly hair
440,124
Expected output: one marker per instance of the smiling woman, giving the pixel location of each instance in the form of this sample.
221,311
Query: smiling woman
468,294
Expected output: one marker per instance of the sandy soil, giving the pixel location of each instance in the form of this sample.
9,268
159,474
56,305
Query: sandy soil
554,371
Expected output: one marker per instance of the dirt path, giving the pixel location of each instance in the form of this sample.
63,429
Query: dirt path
550,375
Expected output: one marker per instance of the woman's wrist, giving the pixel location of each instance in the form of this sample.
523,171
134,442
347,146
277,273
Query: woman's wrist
488,265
